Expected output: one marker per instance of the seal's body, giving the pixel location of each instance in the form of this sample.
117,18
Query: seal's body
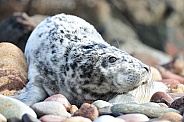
66,55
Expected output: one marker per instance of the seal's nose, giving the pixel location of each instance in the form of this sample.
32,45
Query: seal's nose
147,68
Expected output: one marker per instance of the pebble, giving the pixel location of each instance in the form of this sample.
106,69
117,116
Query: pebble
101,104
88,111
12,108
73,109
171,116
14,119
77,119
166,74
179,88
155,74
2,118
178,103
50,107
29,118
134,117
176,95
52,118
151,104
161,97
142,109
105,111
61,99
107,118
170,83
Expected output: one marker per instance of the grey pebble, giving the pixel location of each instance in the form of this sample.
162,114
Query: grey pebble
12,108
101,104
29,118
142,109
50,107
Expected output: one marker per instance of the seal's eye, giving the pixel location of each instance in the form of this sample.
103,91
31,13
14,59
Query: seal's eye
112,59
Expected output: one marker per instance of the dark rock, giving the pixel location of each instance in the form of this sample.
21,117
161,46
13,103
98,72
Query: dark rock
29,118
14,119
178,103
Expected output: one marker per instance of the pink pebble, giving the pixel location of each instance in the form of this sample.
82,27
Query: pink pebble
134,117
60,98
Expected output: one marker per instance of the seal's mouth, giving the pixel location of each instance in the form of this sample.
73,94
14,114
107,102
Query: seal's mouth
125,92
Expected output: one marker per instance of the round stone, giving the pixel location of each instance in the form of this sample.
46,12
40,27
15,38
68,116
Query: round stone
29,118
50,107
171,116
88,111
155,74
52,118
107,118
77,119
134,117
12,108
61,99
2,118
178,103
101,104
73,109
161,97
142,109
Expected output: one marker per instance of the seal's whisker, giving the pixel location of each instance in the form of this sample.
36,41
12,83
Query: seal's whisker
117,43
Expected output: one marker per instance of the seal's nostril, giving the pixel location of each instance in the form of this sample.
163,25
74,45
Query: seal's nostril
144,82
147,69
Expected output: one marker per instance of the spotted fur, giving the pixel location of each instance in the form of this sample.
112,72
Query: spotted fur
66,55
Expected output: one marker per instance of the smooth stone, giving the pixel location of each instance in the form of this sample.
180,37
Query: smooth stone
101,104
61,99
14,119
171,116
158,120
52,118
181,110
107,111
50,107
134,117
161,97
170,83
155,74
176,95
178,103
29,118
88,111
2,118
141,109
77,119
107,118
151,104
12,108
73,109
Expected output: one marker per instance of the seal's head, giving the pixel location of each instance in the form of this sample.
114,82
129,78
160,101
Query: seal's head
123,71
106,69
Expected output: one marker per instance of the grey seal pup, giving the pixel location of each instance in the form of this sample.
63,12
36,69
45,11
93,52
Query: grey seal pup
66,55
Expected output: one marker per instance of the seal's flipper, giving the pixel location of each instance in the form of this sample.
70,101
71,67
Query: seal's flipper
30,94
33,92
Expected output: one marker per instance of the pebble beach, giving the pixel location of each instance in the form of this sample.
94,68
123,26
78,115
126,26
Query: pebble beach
162,106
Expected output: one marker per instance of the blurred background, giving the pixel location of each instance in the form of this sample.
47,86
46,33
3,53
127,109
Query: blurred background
151,30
